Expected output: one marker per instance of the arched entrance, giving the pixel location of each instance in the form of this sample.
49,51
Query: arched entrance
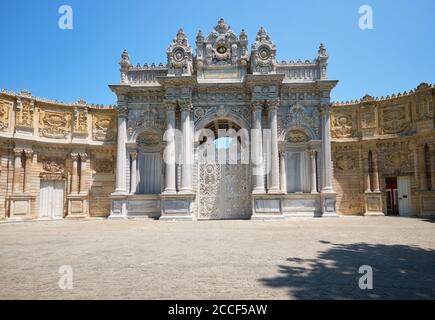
224,177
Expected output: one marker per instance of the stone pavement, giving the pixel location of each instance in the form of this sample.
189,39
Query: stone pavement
296,259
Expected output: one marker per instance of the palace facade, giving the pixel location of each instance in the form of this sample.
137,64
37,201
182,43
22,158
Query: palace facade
227,132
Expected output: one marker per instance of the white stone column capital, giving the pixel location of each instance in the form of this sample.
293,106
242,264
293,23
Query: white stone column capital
272,105
257,106
133,154
18,152
185,106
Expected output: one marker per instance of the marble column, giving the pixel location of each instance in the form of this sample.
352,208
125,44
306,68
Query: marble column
186,166
82,177
257,148
326,149
169,155
375,165
283,171
121,155
313,171
74,173
28,171
17,168
133,180
274,186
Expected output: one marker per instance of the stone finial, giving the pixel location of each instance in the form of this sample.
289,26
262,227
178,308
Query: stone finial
243,35
222,27
181,38
125,59
262,35
199,36
322,51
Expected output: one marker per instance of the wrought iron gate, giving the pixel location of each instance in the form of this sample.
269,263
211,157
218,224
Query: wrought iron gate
224,191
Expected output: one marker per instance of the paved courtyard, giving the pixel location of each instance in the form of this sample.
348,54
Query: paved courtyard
141,259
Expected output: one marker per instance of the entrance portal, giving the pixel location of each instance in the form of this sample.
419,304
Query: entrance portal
224,181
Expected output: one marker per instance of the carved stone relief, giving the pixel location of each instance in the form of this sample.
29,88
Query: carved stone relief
103,166
148,139
200,113
394,119
53,165
368,119
342,125
24,117
4,115
54,124
424,106
80,120
297,136
103,127
148,118
299,116
397,156
345,162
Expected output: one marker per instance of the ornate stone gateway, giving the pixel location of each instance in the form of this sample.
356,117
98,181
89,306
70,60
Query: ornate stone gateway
224,191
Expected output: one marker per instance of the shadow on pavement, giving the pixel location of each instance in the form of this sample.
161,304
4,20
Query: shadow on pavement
399,272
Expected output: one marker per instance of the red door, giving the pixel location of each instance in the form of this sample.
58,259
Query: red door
392,196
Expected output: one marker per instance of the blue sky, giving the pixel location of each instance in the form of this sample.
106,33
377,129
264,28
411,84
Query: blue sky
69,65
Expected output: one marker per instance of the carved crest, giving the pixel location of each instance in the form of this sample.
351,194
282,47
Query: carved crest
342,126
394,119
103,128
54,124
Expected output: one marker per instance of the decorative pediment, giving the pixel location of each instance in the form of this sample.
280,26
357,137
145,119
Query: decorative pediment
147,118
299,117
221,47
263,54
180,60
